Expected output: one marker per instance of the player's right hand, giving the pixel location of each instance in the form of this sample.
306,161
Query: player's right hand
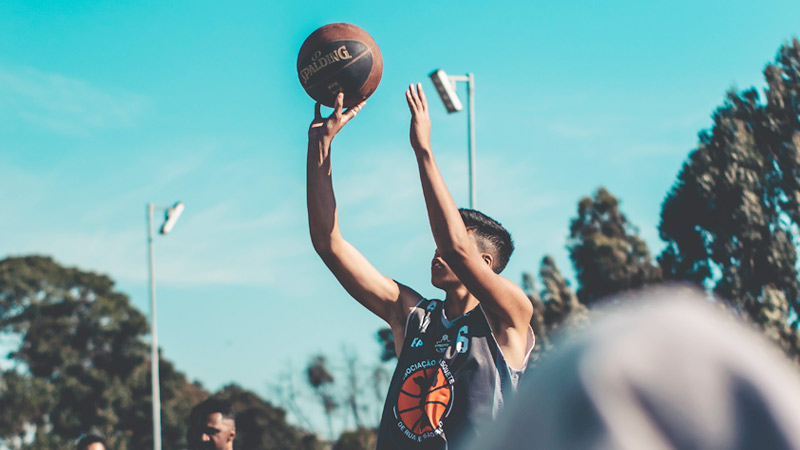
324,129
420,132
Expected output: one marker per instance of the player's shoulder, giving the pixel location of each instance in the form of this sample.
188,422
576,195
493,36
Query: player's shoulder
407,300
514,287
516,309
520,298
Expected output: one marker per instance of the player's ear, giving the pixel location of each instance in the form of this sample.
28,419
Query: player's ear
232,435
487,258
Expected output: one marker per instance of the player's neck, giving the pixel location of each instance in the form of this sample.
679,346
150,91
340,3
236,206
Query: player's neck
458,301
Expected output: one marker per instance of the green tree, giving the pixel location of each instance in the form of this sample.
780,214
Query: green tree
730,221
562,307
385,339
178,396
555,307
262,426
537,319
608,255
78,336
321,380
359,439
24,402
354,386
81,364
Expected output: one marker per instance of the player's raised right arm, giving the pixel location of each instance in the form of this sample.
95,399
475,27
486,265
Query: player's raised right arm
383,296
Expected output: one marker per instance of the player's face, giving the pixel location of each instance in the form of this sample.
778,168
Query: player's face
214,433
441,275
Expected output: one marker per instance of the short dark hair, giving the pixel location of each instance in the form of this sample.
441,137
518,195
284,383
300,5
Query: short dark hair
90,439
212,405
201,411
490,235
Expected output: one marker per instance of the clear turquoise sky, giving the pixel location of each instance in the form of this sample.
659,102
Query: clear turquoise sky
106,106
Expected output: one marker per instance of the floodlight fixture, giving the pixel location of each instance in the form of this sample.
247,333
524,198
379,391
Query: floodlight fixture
171,216
446,87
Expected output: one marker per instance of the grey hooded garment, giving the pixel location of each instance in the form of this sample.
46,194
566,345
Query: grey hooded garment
668,371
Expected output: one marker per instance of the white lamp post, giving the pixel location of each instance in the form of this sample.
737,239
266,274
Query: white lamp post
446,87
171,216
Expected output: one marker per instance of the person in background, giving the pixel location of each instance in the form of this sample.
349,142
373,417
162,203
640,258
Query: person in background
211,425
92,442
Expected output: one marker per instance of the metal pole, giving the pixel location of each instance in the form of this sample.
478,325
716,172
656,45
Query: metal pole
472,182
154,362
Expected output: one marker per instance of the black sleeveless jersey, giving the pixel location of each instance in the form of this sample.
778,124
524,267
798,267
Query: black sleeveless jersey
451,379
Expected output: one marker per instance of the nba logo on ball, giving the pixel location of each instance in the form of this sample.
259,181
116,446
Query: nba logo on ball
339,57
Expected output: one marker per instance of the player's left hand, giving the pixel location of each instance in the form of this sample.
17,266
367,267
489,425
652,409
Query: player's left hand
324,129
420,133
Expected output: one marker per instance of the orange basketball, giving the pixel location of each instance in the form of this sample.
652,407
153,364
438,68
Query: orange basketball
424,399
339,57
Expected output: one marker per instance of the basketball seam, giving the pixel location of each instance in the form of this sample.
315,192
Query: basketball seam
403,411
369,51
446,385
402,391
437,402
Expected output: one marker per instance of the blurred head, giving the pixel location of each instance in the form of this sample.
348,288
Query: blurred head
92,442
490,238
211,425
630,381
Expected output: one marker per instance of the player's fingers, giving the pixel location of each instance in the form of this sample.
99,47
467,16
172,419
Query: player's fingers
414,97
422,97
410,100
414,94
317,112
351,112
338,104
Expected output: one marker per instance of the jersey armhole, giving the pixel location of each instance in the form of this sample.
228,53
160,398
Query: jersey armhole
408,317
531,342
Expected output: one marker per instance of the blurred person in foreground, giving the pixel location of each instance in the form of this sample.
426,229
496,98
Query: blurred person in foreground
211,425
667,369
458,359
92,442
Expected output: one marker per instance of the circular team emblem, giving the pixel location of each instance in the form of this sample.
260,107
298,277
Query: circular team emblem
424,398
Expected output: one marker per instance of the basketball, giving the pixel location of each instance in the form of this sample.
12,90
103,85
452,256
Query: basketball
424,399
339,57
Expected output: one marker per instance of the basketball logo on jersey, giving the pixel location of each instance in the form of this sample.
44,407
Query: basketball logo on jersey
424,400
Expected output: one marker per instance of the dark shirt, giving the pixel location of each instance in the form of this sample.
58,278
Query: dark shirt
451,379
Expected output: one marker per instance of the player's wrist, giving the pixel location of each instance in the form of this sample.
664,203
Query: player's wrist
322,142
423,150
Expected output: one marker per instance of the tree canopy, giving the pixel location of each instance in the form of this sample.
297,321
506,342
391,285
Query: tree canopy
555,307
80,364
731,219
606,251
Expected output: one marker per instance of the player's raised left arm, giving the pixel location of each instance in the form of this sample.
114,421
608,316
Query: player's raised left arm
501,296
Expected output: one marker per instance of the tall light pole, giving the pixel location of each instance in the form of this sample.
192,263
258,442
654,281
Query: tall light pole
446,87
171,216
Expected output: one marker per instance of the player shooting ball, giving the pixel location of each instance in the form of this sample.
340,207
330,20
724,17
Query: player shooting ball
458,358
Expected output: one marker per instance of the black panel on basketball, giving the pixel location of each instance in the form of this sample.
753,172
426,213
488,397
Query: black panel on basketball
339,58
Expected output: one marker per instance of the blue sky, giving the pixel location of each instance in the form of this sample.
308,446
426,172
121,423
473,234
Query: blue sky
106,106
